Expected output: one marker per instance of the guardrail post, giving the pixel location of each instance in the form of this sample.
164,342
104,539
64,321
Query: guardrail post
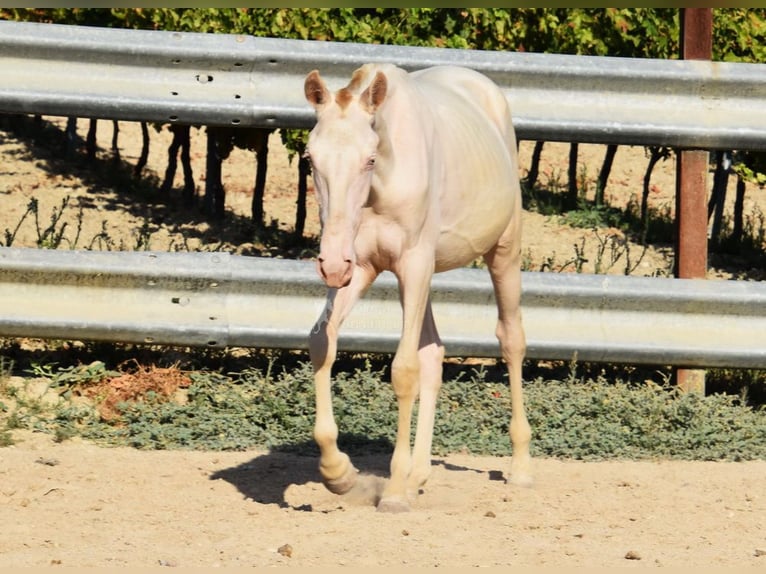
691,183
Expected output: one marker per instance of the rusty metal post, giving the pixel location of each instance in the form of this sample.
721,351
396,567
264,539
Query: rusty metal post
691,182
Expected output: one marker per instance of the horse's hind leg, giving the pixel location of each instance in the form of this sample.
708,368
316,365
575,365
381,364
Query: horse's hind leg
504,262
338,474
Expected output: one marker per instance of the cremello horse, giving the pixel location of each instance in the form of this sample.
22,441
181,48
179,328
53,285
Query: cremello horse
415,173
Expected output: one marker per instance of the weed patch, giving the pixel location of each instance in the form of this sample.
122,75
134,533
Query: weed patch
272,406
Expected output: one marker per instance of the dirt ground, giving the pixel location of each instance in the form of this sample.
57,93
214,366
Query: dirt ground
77,504
29,171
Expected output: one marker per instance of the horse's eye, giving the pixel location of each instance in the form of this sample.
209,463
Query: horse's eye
371,162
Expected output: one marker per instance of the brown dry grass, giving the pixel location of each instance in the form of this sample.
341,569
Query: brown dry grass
134,383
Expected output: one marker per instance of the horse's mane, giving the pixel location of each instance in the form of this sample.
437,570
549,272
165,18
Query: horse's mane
361,79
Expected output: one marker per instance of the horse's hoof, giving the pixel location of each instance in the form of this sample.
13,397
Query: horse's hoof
521,479
343,483
393,504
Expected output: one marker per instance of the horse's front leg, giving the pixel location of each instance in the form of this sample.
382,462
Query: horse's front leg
431,355
414,286
338,474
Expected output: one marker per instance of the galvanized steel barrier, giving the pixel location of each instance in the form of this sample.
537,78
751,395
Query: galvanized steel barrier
220,79
219,299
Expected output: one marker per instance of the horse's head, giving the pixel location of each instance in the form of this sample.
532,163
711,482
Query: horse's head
342,148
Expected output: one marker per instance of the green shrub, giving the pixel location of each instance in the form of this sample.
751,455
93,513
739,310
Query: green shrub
273,407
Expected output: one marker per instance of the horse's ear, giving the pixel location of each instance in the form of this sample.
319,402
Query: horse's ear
315,89
375,93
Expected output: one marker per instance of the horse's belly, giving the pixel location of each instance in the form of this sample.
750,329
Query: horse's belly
459,245
474,213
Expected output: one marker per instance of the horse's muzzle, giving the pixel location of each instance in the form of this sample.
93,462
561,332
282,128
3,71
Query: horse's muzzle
335,272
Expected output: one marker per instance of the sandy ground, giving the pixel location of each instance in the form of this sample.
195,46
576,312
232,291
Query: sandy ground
77,504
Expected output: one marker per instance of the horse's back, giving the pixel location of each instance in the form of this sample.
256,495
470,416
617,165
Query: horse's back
476,88
480,189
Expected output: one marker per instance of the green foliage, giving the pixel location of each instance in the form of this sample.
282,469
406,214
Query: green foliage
295,141
473,415
739,33
6,439
595,420
73,16
50,236
588,215
750,166
64,379
272,406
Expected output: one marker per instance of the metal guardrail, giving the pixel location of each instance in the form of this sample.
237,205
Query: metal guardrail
223,300
220,79
219,299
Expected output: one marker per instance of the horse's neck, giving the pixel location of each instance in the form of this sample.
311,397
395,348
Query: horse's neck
404,156
402,122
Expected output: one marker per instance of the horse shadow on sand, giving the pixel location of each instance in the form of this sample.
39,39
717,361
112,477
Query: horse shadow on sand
266,478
